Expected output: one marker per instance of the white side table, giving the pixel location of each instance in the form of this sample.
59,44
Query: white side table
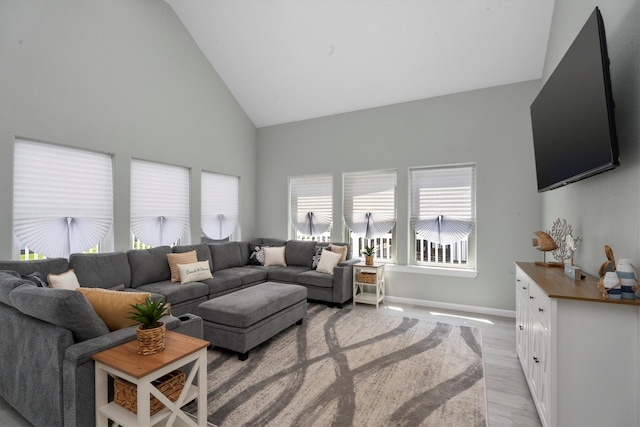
368,276
124,362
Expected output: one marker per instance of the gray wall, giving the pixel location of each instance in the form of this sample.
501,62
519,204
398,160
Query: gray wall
490,127
603,209
122,77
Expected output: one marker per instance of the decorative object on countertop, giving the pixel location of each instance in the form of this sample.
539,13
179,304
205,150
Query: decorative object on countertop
628,275
609,264
544,243
150,333
559,232
610,286
569,268
368,252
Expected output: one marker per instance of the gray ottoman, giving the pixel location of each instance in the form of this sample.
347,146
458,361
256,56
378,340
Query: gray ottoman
241,320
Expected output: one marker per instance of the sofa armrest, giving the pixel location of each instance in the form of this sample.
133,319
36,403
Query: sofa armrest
349,262
343,282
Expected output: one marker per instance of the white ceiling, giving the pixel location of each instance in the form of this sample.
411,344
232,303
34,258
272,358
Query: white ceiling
290,60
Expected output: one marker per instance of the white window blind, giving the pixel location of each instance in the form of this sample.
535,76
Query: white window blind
219,205
159,202
62,198
370,203
443,203
311,200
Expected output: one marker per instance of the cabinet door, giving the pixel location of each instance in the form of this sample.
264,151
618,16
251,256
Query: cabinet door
522,329
539,369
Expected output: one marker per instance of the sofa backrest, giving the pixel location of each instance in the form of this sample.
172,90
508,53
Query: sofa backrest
149,265
300,252
43,266
229,254
104,270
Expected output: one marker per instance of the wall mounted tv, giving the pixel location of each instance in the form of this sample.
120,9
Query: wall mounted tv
574,132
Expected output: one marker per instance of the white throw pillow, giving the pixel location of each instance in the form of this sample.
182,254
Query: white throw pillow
194,272
328,261
274,256
66,280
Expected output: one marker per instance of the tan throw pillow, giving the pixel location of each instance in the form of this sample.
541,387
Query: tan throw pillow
341,249
328,260
66,280
183,258
113,307
194,272
274,256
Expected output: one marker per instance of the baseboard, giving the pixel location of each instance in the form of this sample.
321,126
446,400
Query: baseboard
450,306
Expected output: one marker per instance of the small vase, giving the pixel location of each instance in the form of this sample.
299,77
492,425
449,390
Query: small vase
368,260
151,341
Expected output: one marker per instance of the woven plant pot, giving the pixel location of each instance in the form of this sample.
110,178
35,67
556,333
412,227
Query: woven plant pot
368,260
151,341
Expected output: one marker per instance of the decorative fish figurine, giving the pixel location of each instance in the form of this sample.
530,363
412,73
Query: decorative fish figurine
544,242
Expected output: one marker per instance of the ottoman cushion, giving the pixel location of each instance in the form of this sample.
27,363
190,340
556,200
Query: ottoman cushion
247,306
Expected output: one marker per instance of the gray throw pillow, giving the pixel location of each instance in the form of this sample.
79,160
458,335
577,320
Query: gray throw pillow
63,307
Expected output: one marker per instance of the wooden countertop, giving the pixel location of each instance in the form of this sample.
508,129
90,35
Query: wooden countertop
556,284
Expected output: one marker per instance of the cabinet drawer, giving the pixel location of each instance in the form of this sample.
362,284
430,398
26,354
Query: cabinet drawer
522,284
539,304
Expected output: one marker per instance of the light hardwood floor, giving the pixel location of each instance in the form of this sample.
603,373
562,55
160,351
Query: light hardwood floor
509,401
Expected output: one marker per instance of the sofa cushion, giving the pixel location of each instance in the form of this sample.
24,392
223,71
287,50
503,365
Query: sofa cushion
194,272
285,274
328,261
180,258
256,253
63,307
44,266
149,265
316,256
104,270
9,280
176,293
202,251
114,307
66,280
300,252
227,255
275,256
340,249
313,278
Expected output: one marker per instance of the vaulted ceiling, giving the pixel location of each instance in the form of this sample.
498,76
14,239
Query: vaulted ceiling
290,60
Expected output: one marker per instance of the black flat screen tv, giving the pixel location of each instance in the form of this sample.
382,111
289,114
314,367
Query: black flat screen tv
574,132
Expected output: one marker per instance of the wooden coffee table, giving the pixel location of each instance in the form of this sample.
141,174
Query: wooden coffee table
124,362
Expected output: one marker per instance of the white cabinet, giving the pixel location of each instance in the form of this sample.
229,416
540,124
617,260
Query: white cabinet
578,351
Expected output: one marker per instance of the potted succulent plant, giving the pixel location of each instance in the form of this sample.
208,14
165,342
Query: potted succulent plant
150,333
369,252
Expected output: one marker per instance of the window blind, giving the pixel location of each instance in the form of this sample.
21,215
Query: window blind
62,198
443,203
311,203
370,203
159,202
219,205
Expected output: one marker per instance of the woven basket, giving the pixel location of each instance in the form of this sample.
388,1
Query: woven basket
151,341
366,278
125,393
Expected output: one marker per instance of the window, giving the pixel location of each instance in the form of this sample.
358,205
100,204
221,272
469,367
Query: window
159,202
443,215
219,210
311,206
62,198
369,208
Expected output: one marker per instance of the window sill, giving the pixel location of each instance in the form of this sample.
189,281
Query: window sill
436,271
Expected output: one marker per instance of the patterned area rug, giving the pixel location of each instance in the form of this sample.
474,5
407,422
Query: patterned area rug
353,368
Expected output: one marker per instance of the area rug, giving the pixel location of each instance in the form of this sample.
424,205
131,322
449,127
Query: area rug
345,367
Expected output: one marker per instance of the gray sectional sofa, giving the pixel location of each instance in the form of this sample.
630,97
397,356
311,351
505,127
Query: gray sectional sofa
48,335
